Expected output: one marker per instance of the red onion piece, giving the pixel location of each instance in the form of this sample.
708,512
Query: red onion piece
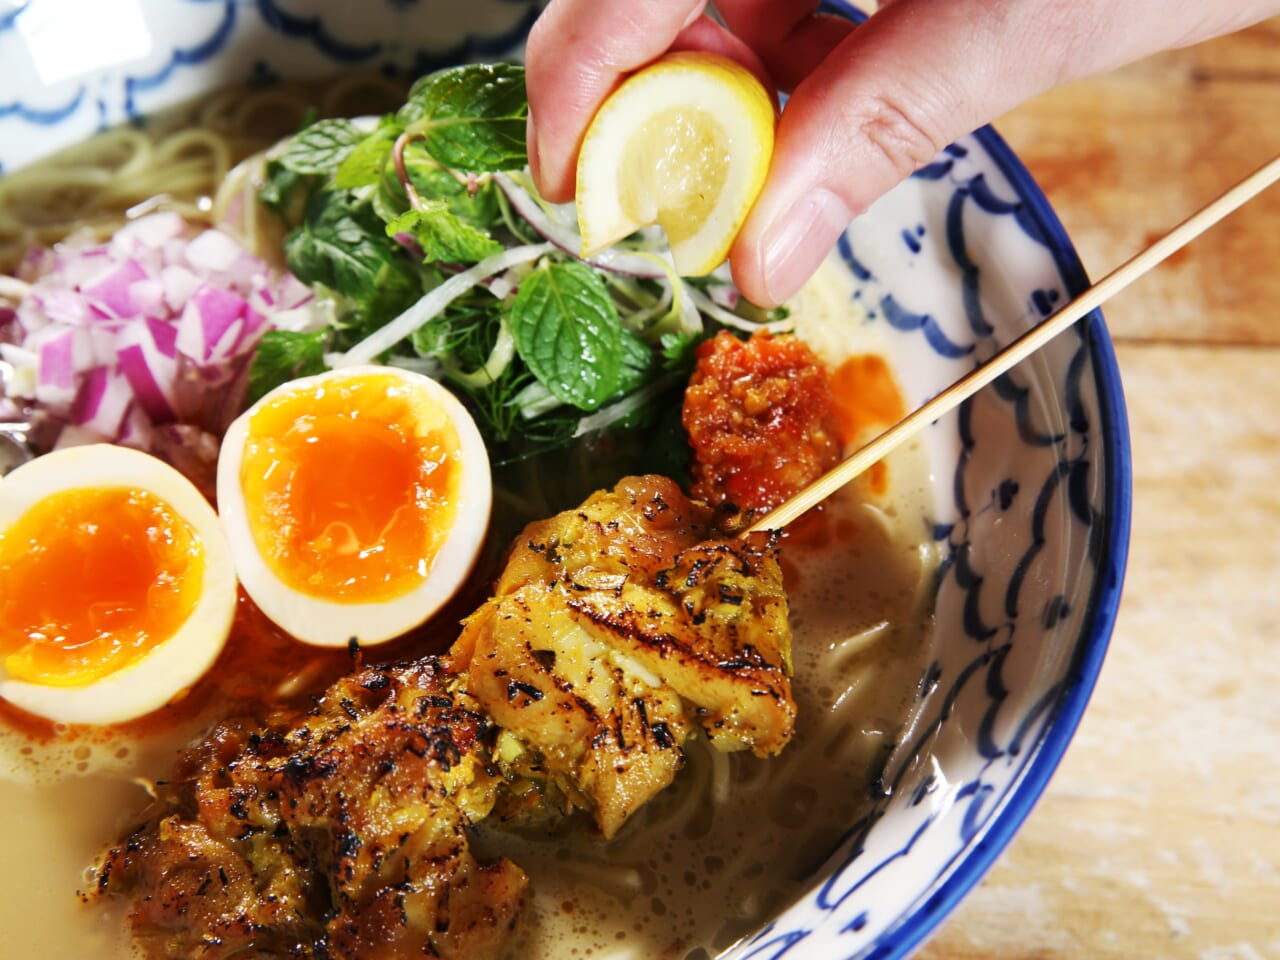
110,289
56,357
149,372
154,327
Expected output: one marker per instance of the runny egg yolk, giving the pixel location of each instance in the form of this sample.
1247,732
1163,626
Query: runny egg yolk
351,486
94,579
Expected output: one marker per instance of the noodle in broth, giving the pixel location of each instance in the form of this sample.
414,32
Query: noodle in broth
705,863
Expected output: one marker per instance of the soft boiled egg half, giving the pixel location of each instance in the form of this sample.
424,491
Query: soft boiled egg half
355,501
117,589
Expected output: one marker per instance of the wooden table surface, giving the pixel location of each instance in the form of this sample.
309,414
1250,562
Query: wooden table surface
1159,836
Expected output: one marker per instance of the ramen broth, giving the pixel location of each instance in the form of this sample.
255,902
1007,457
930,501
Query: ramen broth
704,864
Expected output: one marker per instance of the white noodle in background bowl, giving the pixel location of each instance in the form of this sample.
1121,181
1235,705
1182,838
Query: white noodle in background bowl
1030,481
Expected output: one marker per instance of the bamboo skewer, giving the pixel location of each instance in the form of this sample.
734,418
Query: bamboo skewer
1021,348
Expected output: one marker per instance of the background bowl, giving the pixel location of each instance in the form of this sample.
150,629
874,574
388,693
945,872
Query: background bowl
1031,477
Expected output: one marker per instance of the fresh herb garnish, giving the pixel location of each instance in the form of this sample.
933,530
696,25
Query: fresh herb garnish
548,350
284,355
442,234
567,330
321,148
471,118
341,244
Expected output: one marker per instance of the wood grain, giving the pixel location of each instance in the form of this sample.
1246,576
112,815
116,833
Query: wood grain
1124,157
1159,835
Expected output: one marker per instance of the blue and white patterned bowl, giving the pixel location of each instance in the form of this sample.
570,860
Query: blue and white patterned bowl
1032,476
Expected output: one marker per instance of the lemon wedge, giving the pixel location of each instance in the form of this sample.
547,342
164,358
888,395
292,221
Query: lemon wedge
684,143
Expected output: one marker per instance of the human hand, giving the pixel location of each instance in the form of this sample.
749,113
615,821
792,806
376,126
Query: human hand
868,105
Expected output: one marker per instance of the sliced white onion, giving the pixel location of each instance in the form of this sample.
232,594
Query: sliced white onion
433,303
556,224
729,318
606,416
503,352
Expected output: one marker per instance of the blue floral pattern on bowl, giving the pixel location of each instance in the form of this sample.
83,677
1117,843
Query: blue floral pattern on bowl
954,263
128,58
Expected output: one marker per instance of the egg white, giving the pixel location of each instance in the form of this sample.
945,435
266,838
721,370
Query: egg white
176,663
332,623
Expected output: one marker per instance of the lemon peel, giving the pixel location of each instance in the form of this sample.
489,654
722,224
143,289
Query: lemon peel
684,143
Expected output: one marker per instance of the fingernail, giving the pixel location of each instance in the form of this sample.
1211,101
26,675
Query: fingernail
797,242
531,145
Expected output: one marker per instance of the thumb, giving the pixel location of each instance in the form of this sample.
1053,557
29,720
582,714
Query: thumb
882,103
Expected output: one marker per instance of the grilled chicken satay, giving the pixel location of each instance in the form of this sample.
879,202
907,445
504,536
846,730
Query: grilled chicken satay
617,630
339,834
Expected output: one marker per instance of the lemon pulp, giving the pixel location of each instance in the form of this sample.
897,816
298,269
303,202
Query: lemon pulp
684,143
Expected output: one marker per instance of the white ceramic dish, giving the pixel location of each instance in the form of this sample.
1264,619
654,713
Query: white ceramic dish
1031,477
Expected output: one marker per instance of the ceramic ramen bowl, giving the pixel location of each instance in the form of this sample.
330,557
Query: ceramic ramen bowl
1030,479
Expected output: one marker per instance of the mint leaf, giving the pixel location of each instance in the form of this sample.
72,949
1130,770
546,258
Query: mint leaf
389,200
567,331
442,236
279,192
638,363
679,350
321,148
365,162
282,355
478,206
472,117
343,246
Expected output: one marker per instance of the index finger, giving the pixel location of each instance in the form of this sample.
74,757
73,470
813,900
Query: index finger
578,52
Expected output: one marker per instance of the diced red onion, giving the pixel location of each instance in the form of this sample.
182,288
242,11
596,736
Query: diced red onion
206,319
59,306
179,284
56,358
213,252
102,402
164,336
150,373
152,231
147,296
136,431
153,327
110,289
